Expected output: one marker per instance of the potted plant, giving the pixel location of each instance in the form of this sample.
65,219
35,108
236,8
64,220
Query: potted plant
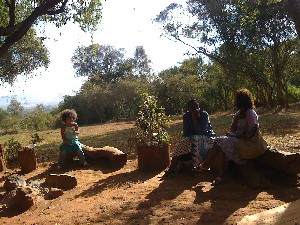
153,146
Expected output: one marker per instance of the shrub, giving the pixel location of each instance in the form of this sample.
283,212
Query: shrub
11,150
151,122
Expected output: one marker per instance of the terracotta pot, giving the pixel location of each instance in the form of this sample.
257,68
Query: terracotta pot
27,160
153,157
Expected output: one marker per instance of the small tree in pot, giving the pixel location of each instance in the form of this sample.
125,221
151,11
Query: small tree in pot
153,139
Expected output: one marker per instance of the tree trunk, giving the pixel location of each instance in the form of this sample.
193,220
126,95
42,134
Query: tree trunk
294,7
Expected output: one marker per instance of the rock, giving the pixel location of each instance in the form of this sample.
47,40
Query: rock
283,161
54,193
62,181
116,158
24,198
21,198
13,182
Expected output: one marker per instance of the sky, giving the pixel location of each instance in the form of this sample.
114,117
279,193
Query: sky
125,24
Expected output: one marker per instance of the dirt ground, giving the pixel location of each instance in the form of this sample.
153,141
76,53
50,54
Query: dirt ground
131,196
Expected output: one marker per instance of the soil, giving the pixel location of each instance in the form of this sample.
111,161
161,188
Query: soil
131,196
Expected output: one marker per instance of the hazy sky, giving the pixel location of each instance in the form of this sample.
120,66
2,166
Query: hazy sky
125,24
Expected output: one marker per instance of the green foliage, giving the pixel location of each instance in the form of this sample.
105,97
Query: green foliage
12,147
14,119
141,63
99,61
21,51
106,64
3,114
35,138
23,58
15,108
252,41
11,124
38,119
151,122
100,103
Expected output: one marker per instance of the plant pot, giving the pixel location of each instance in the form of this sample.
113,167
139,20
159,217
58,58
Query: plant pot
27,160
153,157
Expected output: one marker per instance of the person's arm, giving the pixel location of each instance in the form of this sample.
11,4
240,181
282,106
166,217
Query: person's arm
76,128
209,127
203,126
63,136
186,126
234,122
252,123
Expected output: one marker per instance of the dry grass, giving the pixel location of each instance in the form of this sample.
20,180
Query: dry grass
280,129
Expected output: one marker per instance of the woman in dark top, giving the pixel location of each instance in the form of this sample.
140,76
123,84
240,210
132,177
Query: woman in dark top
197,131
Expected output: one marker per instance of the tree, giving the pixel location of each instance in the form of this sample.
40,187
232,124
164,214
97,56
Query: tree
23,57
15,108
229,32
294,8
211,29
38,119
100,62
177,85
141,63
17,17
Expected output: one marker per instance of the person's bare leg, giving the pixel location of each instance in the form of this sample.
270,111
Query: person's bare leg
172,167
173,164
210,156
220,157
220,161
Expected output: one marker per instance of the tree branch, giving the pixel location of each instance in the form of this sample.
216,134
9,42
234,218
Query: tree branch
200,50
11,7
58,11
26,24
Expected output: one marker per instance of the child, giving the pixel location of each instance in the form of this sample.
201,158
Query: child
69,134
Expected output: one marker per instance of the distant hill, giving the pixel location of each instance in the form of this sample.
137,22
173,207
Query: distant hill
5,101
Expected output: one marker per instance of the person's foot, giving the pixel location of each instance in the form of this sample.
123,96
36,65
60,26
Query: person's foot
201,167
167,174
217,181
85,164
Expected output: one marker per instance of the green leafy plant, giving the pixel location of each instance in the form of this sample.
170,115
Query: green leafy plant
35,138
12,147
152,122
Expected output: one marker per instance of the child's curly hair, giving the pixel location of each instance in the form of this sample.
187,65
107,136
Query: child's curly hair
63,115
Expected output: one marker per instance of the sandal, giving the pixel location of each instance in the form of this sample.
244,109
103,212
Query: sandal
217,181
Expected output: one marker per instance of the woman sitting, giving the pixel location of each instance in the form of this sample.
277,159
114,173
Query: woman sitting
197,132
242,142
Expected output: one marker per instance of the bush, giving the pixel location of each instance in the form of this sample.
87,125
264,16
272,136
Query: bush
152,122
11,150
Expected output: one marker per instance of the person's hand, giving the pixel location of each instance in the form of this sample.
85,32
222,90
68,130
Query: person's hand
68,143
74,124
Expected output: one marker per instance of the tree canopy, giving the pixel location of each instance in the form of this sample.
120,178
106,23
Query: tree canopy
19,19
105,63
231,32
